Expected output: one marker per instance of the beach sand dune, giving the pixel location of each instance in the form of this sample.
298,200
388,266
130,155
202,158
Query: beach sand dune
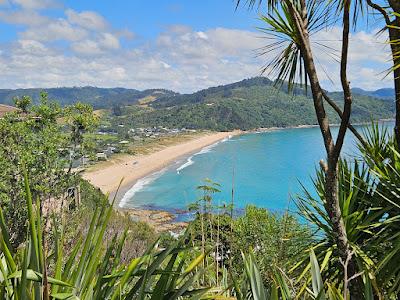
131,168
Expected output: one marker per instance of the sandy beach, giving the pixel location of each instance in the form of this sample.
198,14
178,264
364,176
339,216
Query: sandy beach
131,168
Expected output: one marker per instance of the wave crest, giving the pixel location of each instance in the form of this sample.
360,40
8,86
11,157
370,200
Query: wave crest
138,186
188,163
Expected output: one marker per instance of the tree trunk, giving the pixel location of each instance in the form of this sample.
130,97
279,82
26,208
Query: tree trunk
331,169
394,35
394,38
397,99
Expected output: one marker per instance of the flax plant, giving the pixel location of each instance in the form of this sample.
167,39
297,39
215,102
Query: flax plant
91,270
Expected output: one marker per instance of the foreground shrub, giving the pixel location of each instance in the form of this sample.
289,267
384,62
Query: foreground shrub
91,271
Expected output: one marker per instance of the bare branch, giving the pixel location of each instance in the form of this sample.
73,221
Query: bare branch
340,113
381,10
355,276
345,83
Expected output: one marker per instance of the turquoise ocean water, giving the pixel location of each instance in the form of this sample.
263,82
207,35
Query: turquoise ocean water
267,169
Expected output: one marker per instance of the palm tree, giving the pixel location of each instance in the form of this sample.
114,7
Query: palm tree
290,23
390,12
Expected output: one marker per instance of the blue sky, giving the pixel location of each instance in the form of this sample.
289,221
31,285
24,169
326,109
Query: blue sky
152,18
184,45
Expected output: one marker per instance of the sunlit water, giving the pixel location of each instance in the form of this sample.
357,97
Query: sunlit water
265,169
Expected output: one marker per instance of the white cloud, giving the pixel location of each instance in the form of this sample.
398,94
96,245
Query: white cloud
178,29
109,41
125,33
35,4
180,59
202,35
100,44
364,46
85,33
87,47
87,19
234,41
23,17
91,52
55,30
31,47
368,58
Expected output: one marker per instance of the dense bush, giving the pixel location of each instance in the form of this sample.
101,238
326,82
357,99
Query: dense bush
276,240
249,104
45,140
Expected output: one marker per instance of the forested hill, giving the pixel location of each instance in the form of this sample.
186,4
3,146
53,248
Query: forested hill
248,104
97,97
385,93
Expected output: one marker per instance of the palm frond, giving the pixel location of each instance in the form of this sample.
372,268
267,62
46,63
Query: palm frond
284,41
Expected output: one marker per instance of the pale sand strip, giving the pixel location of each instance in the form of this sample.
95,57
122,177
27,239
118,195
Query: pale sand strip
132,168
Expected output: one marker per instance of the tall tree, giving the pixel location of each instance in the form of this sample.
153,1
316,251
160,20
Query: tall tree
290,24
38,141
80,119
390,11
23,103
32,141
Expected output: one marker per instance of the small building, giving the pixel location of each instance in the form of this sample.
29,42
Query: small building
101,156
110,150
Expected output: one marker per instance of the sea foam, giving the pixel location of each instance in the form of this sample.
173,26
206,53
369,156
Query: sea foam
143,182
188,163
205,150
138,186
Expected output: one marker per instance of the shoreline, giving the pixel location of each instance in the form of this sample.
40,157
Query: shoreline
129,166
275,128
132,168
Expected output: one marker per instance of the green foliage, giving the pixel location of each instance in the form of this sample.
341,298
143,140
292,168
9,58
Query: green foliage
138,236
369,202
97,97
23,103
91,271
117,110
80,120
33,141
250,104
38,141
383,159
250,286
354,199
278,239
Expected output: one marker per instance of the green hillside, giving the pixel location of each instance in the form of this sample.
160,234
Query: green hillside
249,104
97,97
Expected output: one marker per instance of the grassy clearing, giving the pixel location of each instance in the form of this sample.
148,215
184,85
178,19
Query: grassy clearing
151,145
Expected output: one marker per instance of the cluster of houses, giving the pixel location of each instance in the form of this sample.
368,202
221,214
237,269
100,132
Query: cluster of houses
156,131
134,134
107,152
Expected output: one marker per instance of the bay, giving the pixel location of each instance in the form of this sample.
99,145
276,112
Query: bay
264,169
